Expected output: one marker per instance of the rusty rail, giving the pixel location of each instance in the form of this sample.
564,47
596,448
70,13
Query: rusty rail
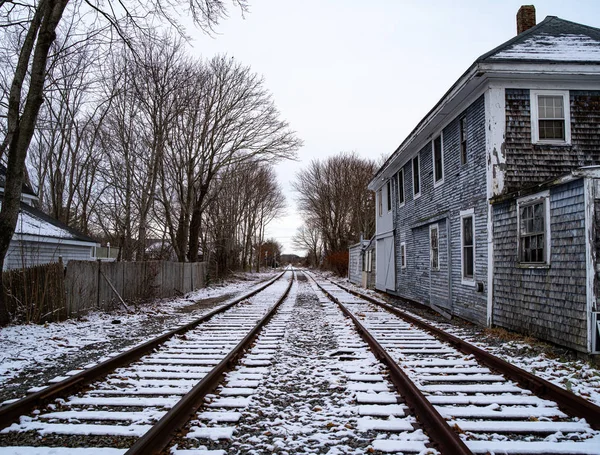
568,402
11,412
161,434
442,436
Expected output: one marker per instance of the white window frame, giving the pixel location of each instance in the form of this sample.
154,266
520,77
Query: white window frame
388,199
402,255
412,164
544,197
535,126
435,227
469,213
440,181
400,203
380,201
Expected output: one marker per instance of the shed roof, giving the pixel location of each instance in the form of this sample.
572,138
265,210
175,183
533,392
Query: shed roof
34,222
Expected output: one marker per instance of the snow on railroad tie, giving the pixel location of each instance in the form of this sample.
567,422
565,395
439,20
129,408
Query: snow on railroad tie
78,429
535,447
24,450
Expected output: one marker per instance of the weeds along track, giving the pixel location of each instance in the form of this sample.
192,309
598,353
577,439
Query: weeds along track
465,406
136,401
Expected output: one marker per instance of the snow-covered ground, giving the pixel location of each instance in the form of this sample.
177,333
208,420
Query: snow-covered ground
557,365
31,354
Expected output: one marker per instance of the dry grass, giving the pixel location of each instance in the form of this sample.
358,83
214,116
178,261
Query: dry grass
505,335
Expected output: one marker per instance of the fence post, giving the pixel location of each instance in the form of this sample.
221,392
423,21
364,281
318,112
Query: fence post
99,262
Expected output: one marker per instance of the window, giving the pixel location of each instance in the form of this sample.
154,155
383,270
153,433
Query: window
550,120
467,240
533,230
403,255
434,251
463,140
438,161
401,187
368,261
380,201
389,195
416,167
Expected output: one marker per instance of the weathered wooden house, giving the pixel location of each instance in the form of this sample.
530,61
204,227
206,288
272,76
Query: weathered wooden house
40,239
488,209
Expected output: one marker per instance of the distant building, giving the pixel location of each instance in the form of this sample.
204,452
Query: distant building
293,259
361,263
488,210
40,239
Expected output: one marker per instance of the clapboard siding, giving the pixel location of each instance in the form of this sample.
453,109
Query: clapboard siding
26,254
464,188
549,303
529,164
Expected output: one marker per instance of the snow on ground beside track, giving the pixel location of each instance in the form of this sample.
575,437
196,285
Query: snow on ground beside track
555,364
32,346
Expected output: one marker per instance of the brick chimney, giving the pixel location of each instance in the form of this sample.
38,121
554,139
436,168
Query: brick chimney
525,18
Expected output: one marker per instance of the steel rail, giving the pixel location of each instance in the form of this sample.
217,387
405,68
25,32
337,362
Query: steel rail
161,433
442,436
568,402
11,412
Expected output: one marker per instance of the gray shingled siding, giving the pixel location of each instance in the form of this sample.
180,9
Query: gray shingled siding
547,303
528,164
464,188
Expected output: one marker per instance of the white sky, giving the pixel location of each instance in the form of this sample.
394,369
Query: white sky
358,75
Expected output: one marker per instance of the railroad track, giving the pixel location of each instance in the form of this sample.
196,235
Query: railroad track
135,402
464,405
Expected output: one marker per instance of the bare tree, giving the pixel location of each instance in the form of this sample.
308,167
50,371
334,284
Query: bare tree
333,194
33,25
308,238
230,119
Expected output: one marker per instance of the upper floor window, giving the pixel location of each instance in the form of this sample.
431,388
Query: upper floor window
416,168
380,201
463,140
533,242
388,188
438,161
550,117
401,187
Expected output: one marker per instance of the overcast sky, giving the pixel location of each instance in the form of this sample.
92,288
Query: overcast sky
358,75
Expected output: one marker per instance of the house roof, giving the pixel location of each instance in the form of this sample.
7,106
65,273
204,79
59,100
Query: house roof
25,189
34,222
552,41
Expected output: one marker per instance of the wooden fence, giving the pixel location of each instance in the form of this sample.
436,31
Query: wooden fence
50,293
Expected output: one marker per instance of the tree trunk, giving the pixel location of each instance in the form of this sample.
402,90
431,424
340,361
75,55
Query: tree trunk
20,130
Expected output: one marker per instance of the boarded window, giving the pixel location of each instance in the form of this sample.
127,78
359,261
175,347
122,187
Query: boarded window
438,160
401,187
434,251
403,255
532,233
416,176
551,118
467,247
463,140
